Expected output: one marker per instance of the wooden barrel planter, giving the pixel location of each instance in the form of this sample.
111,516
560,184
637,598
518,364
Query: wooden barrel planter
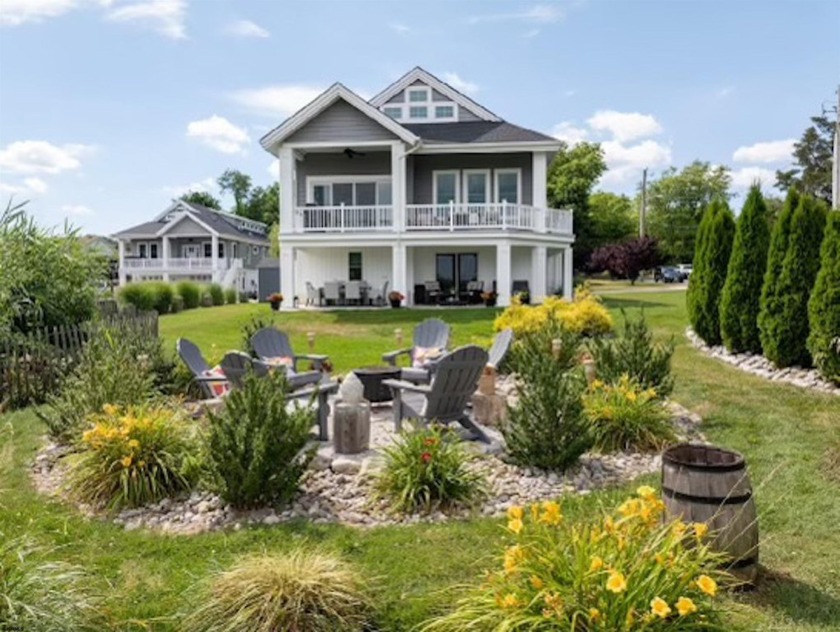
707,484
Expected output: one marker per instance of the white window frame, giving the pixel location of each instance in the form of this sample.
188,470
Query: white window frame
204,245
426,90
488,185
497,172
222,250
186,247
425,106
436,175
443,104
397,109
313,181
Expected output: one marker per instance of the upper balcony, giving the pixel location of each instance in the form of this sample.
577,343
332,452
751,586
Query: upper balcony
180,264
434,218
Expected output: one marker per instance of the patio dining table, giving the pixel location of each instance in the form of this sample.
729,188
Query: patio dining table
364,288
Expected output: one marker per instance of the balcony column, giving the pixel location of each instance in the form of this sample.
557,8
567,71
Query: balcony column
398,271
398,188
503,274
121,268
214,258
568,290
286,160
539,267
287,277
539,176
164,247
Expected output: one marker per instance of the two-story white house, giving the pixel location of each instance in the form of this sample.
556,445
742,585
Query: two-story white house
188,241
420,186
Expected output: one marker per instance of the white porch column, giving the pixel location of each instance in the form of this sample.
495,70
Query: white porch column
539,198
398,265
121,269
398,188
409,277
286,159
214,258
287,277
164,247
568,290
539,266
503,274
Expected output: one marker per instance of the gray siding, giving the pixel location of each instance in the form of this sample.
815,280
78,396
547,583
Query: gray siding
317,164
437,96
425,164
399,97
187,227
341,122
464,115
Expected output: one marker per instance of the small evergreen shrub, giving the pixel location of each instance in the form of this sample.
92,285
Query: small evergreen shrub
786,344
297,591
739,303
824,305
624,570
249,329
585,315
134,456
770,303
633,352
190,292
217,294
426,469
547,427
141,295
625,416
711,258
231,295
256,445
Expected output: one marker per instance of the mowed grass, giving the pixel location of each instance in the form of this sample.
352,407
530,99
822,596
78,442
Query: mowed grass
790,438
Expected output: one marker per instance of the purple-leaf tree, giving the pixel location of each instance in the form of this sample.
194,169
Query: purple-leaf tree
627,259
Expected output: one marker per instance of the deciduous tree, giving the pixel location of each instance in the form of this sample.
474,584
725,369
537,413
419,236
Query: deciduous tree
626,260
238,185
813,156
202,197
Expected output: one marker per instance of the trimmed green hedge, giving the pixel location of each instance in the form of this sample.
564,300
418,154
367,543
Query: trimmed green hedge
190,292
231,295
824,306
148,295
217,294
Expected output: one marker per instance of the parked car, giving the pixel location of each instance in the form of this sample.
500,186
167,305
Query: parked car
668,274
685,268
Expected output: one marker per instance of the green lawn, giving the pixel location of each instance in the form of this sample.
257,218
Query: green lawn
791,439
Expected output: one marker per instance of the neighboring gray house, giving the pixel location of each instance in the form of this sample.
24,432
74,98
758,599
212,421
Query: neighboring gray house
191,241
418,187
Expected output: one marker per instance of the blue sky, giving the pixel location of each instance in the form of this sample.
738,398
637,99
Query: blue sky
109,108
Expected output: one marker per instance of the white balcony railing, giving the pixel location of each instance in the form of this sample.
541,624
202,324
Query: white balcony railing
180,263
340,219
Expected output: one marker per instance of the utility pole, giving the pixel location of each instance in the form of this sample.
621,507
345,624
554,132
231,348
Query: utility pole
643,207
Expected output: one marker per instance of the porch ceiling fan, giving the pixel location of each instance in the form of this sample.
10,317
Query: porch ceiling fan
352,153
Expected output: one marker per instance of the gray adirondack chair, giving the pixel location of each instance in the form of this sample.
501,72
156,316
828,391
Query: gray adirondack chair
273,343
191,355
445,398
431,333
499,349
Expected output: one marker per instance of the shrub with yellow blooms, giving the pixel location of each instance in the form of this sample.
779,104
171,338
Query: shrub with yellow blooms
133,456
628,571
585,315
624,416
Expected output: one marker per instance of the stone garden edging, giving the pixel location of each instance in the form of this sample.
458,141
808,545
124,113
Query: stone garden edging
762,367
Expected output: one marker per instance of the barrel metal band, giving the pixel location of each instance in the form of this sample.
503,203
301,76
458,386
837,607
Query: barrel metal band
705,500
714,468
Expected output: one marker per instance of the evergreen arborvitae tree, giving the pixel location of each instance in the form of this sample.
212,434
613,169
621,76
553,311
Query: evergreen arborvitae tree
824,306
787,345
711,258
768,318
744,277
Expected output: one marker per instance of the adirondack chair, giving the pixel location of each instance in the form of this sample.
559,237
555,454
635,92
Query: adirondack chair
431,334
445,398
236,365
212,381
496,355
273,347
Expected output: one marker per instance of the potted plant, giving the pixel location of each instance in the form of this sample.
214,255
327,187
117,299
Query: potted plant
489,298
524,297
275,300
395,298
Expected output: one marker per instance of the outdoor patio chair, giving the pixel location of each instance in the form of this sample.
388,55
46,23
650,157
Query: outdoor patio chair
353,292
430,340
332,292
212,381
473,292
521,287
445,398
382,299
433,292
313,296
272,347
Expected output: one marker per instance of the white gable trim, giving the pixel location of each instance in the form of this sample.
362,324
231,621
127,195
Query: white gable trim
169,225
176,204
418,74
337,91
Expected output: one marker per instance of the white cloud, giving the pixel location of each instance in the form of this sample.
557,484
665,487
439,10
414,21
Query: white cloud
40,156
539,14
76,209
220,134
624,126
724,92
207,185
569,93
274,169
163,16
278,100
625,163
462,85
745,177
568,132
246,28
399,28
17,12
772,151
36,185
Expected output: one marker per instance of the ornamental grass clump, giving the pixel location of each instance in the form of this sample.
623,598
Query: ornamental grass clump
626,570
427,469
134,456
625,416
299,591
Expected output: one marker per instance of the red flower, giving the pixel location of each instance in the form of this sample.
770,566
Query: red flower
426,457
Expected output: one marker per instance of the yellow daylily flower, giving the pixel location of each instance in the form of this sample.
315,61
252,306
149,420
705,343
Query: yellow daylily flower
707,585
515,513
660,607
700,529
596,565
594,615
536,582
510,601
616,582
685,606
126,461
551,513
515,525
646,492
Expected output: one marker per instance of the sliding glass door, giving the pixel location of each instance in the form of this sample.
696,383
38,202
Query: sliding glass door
454,271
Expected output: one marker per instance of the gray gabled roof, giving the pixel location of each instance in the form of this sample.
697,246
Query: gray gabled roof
476,132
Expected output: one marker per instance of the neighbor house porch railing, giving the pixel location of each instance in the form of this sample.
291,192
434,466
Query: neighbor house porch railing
179,263
342,218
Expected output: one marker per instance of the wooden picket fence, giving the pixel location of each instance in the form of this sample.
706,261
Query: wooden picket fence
33,365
